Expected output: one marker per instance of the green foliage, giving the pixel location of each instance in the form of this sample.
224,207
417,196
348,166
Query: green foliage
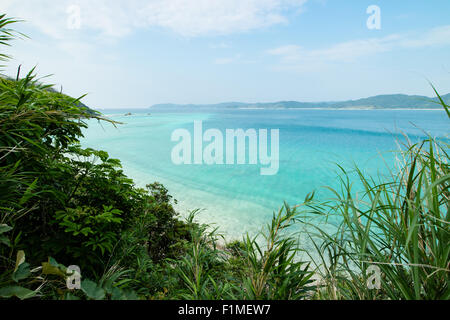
6,35
244,270
3,238
275,273
199,269
95,228
60,202
400,225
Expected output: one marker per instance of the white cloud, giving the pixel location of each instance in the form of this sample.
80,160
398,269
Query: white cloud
345,51
300,58
186,17
435,37
224,60
228,60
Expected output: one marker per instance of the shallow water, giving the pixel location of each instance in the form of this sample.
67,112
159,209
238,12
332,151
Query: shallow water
236,197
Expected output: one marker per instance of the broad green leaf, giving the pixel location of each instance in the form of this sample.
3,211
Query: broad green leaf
47,268
130,295
19,259
22,272
16,291
53,267
5,240
116,294
4,228
119,294
92,290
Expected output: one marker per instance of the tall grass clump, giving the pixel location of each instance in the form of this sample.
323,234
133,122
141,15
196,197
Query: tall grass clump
274,271
399,225
200,270
260,267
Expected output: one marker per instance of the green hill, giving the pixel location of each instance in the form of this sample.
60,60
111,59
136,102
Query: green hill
392,101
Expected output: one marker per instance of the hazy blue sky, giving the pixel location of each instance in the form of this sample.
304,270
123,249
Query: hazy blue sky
137,53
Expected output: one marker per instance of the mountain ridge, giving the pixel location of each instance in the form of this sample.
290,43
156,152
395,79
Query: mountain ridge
387,101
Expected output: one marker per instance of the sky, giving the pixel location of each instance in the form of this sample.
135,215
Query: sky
136,53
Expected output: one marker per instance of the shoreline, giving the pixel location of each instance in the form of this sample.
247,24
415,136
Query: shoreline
147,110
214,210
345,109
230,227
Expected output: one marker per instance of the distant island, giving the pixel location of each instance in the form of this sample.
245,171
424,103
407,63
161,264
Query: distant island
392,101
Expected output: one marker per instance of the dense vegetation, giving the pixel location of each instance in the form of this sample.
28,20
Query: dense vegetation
63,205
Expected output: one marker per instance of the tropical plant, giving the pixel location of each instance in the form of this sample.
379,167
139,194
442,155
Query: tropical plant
399,225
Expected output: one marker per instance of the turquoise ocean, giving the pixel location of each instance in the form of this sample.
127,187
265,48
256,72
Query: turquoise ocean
236,198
